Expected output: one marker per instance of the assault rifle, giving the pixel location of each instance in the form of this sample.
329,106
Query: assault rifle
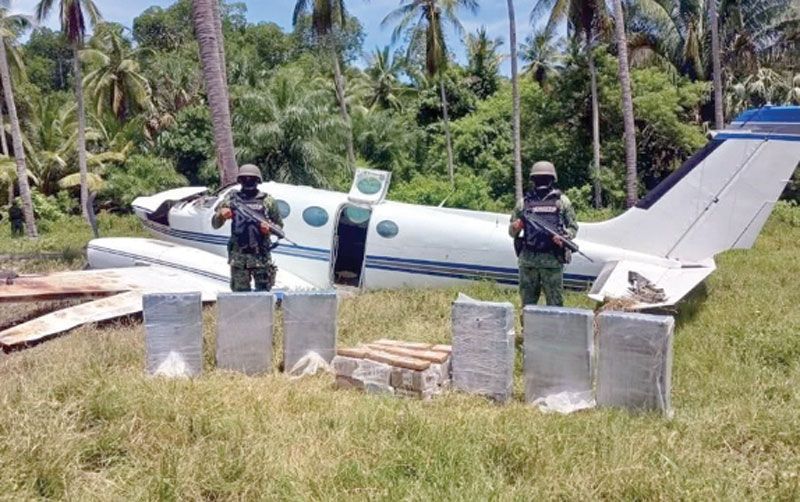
255,217
533,220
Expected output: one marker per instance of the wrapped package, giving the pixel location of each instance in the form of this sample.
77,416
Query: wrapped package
309,325
173,334
558,350
634,361
483,347
244,332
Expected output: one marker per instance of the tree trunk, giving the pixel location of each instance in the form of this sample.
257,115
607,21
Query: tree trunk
719,117
631,177
223,67
81,142
3,141
16,139
598,189
448,139
512,27
216,87
338,81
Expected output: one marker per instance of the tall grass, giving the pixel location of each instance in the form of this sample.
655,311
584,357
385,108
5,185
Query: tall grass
79,420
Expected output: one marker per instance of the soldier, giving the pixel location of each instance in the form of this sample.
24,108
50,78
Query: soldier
16,217
249,245
542,256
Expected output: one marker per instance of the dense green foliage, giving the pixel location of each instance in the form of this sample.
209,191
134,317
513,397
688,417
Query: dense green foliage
148,125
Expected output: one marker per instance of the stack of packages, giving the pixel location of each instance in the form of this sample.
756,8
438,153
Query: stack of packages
409,369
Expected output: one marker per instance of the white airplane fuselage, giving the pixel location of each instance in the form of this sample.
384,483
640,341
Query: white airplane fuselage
718,200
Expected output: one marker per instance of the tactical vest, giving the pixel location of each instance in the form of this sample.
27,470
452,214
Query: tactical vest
246,232
548,211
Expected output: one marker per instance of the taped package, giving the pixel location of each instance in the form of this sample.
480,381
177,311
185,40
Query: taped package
174,334
483,347
558,350
245,323
634,365
309,325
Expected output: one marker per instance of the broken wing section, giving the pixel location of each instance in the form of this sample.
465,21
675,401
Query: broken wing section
648,285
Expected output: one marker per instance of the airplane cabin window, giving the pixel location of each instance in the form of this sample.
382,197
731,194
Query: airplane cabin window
387,229
357,215
283,208
315,216
369,185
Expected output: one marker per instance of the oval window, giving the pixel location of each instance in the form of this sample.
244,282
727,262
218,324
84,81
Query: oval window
315,216
357,215
387,229
369,185
283,208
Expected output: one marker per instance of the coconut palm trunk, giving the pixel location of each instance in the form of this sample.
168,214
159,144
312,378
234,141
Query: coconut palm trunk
216,87
4,147
338,82
81,139
719,117
19,151
515,119
598,189
447,137
631,177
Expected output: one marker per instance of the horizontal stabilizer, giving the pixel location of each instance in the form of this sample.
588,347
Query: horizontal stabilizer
648,285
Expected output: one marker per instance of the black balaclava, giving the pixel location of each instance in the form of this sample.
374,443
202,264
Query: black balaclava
249,185
542,184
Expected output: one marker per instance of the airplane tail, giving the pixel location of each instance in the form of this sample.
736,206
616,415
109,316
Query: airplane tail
717,200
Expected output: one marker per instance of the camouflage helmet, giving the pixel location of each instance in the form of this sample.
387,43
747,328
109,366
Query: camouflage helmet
544,168
249,170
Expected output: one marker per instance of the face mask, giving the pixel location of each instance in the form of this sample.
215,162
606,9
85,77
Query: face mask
542,183
249,184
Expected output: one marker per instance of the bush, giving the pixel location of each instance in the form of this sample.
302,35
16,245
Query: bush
141,175
471,192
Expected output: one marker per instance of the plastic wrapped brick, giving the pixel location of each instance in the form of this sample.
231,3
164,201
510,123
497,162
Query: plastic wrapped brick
483,347
634,361
174,334
558,353
244,332
309,325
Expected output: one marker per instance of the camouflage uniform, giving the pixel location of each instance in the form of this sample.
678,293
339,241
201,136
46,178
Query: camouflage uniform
246,266
15,216
544,271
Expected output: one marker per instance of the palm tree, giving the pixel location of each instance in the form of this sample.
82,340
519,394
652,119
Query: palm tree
543,55
483,62
631,178
73,25
10,26
719,119
385,89
210,46
284,126
327,17
425,18
512,37
583,17
116,83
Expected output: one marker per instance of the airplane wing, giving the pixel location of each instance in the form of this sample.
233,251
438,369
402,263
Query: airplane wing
648,285
116,292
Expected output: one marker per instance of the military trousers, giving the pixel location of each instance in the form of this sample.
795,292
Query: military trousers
262,277
16,227
534,279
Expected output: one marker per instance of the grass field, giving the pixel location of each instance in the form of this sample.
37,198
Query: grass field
79,420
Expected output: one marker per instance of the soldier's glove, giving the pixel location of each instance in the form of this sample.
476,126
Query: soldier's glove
264,229
226,213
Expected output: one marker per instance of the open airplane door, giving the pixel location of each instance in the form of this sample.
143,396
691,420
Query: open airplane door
349,246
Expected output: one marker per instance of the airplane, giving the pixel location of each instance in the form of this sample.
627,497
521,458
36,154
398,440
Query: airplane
719,199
